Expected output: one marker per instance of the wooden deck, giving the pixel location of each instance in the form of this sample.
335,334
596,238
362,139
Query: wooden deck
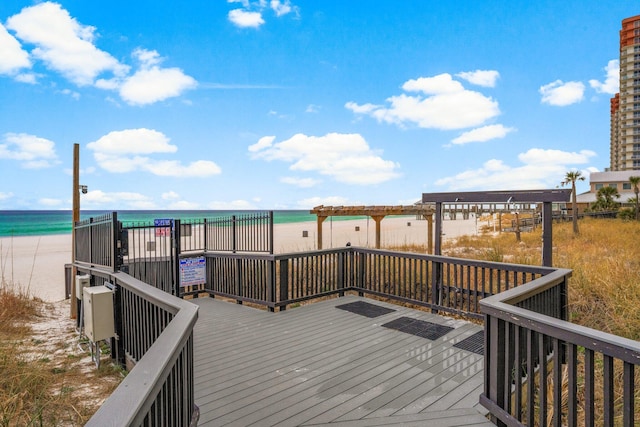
323,365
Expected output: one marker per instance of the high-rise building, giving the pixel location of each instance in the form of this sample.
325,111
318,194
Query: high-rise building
625,106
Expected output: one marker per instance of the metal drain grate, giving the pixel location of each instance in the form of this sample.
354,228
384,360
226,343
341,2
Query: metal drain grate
365,309
473,343
420,328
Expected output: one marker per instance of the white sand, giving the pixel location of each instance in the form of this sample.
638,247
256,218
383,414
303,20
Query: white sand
37,263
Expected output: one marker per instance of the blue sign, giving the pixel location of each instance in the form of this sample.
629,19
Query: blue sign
163,222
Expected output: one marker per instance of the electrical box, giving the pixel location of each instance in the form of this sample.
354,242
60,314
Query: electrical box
97,304
82,281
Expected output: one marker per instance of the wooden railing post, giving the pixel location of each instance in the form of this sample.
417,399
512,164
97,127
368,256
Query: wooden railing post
271,284
362,271
495,361
284,281
341,272
238,280
175,255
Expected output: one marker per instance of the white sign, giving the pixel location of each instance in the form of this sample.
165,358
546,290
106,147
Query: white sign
192,271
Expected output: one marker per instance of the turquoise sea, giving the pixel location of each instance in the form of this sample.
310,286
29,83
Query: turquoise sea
36,223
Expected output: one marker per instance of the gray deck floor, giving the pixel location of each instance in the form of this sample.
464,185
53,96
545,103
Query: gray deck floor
320,365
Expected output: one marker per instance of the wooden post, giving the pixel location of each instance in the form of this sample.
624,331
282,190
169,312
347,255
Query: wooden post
75,218
429,219
319,224
547,235
378,219
438,237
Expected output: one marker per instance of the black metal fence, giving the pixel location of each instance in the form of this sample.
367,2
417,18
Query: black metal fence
97,240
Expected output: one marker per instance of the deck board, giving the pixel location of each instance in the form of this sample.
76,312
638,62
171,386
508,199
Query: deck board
320,365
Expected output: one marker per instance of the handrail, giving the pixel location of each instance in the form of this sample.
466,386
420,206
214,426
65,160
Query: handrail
532,355
131,403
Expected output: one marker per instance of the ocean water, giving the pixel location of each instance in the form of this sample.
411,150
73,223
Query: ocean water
37,223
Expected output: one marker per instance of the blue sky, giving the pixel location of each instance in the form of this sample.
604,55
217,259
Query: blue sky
294,104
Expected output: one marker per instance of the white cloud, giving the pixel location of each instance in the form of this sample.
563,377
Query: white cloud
233,205
170,195
14,58
482,134
184,205
312,202
133,141
447,105
540,169
174,168
5,196
31,151
562,94
155,84
486,78
311,108
50,202
63,44
264,142
29,78
281,8
538,156
612,80
346,158
123,151
67,47
124,198
245,19
151,83
300,182
251,15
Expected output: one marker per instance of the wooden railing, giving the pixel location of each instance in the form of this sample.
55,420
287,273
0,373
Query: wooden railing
542,370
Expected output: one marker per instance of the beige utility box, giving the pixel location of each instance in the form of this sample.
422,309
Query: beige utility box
97,303
82,281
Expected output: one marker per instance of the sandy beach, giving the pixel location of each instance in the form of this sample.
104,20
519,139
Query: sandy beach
36,264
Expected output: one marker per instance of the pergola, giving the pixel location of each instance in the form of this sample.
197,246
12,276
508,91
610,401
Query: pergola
377,213
506,198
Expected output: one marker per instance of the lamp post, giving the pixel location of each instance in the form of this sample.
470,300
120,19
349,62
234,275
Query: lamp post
77,188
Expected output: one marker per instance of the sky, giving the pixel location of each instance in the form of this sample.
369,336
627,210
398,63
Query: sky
292,104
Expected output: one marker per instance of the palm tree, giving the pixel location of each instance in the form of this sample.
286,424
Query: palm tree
572,177
606,199
635,180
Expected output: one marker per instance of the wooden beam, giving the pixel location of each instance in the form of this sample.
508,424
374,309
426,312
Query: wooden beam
501,197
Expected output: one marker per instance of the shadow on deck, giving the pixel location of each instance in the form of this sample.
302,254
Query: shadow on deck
322,364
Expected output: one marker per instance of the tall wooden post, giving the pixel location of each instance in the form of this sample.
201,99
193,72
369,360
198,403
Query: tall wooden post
319,222
378,219
75,218
547,234
429,219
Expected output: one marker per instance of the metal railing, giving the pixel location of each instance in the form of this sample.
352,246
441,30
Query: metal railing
154,332
96,241
542,370
441,283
